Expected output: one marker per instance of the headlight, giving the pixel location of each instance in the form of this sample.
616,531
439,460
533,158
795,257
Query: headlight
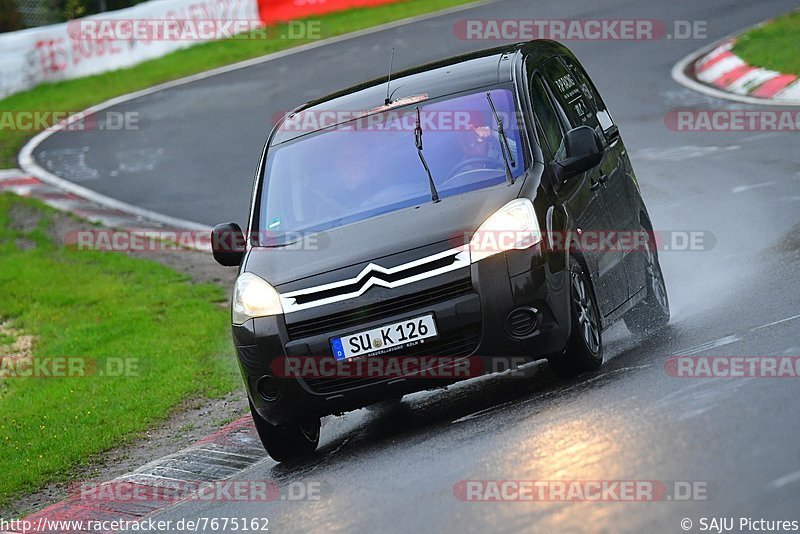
512,227
254,297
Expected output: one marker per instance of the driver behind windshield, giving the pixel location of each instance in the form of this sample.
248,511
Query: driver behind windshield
342,180
352,166
479,148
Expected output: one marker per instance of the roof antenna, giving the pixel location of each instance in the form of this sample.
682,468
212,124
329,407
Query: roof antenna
388,100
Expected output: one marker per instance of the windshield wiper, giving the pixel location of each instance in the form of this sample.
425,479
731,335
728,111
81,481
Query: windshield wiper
504,145
418,142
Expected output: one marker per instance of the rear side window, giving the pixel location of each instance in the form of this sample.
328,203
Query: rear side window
549,123
571,94
593,99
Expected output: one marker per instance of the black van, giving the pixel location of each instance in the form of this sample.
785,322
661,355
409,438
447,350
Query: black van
412,231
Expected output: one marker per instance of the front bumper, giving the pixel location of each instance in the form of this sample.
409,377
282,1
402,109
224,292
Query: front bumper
471,307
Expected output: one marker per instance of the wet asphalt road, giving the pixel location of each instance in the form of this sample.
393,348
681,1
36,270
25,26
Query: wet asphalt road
395,469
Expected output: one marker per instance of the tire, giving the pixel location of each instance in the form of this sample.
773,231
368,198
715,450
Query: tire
289,441
584,351
652,314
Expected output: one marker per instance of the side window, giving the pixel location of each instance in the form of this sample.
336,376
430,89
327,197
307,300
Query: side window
593,97
547,117
569,93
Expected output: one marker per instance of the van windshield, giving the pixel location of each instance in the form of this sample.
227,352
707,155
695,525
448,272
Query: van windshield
370,165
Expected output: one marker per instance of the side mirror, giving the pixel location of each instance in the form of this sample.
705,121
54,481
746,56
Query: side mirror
584,151
228,244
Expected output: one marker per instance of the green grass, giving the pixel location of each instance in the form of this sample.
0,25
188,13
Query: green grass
98,305
775,45
78,94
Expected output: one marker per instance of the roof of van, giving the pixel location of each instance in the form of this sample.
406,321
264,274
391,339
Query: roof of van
460,73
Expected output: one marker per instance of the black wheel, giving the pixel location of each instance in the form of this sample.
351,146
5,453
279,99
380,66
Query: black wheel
584,351
652,314
289,441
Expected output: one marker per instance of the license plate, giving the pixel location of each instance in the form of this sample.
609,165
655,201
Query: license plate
384,338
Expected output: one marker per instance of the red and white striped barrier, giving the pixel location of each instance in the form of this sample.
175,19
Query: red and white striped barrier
725,70
273,11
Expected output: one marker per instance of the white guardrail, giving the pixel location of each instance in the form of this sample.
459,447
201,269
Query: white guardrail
108,41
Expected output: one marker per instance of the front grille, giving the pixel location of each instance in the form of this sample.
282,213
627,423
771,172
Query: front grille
358,285
386,308
458,343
